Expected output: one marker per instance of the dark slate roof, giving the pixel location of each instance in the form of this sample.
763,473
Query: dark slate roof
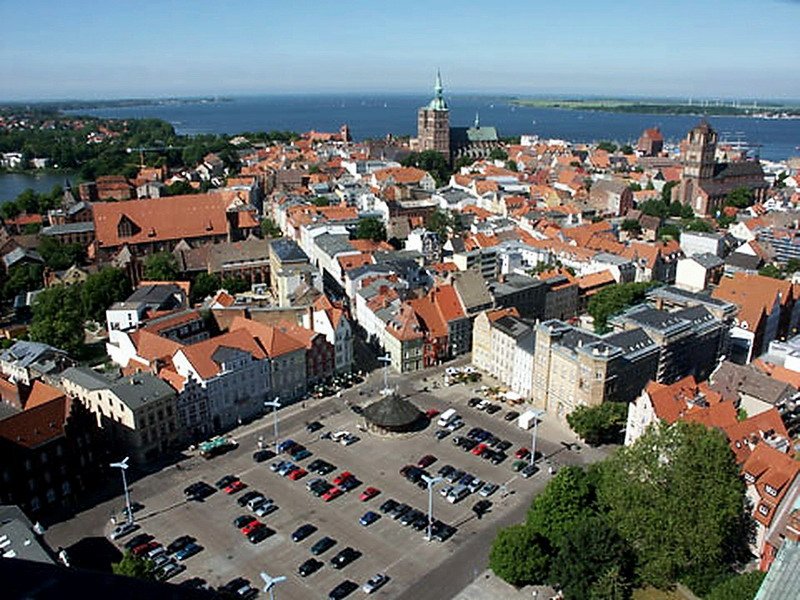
740,260
392,412
708,260
157,294
288,251
745,168
632,341
512,326
67,228
141,388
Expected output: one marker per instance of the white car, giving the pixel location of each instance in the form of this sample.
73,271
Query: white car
123,530
339,435
375,583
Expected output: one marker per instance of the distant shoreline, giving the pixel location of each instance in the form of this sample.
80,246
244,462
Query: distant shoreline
72,105
767,110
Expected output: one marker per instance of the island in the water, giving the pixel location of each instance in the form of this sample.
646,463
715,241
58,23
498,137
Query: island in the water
769,110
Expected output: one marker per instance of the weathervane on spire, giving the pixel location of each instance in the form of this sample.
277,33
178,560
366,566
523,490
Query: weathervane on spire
438,102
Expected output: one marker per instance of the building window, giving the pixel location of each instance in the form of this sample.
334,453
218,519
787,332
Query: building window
65,488
771,490
35,505
51,496
763,509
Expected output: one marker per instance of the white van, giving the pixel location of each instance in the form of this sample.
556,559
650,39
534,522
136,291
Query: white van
447,417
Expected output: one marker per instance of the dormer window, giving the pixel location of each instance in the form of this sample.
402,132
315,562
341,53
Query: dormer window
771,490
763,509
748,477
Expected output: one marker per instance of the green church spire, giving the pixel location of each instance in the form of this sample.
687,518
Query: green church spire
438,102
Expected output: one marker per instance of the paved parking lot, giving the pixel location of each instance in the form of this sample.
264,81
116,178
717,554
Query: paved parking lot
418,568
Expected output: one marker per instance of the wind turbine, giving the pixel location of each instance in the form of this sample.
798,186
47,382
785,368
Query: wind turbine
269,583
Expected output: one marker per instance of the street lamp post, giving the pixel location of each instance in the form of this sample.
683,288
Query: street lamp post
386,360
270,582
431,481
123,466
536,416
275,404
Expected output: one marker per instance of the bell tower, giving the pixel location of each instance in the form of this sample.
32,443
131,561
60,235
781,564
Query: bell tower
699,150
433,122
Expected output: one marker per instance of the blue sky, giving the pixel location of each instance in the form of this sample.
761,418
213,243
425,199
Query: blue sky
149,48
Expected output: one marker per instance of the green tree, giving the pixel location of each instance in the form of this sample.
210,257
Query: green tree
463,161
635,187
431,161
441,222
626,149
632,226
610,585
101,290
133,566
161,266
180,188
370,228
568,499
666,192
270,229
498,154
590,550
655,208
607,146
739,587
650,492
741,197
235,285
601,424
204,285
614,298
520,556
23,278
699,225
669,231
58,318
771,271
59,256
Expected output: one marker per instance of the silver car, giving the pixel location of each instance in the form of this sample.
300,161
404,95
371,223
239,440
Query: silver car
375,582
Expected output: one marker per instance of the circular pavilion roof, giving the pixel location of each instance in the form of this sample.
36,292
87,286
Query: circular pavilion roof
393,413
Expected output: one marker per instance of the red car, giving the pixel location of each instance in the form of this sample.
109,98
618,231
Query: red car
255,524
431,413
331,494
426,461
342,477
522,453
145,548
369,493
297,474
236,486
478,449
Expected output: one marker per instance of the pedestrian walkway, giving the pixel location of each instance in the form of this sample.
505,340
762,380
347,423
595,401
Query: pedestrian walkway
489,587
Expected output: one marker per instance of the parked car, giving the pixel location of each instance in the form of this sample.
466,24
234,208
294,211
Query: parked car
388,506
198,491
225,481
247,496
518,465
188,551
298,473
331,494
369,493
309,567
522,453
138,540
375,583
368,518
440,434
243,521
498,457
426,461
431,413
503,446
511,415
236,486
342,590
342,477
286,445
122,530
301,454
492,408
259,534
323,545
314,426
345,557
169,570
473,402
481,507
266,509
529,471
263,455
488,489
239,588
179,543
350,484
303,532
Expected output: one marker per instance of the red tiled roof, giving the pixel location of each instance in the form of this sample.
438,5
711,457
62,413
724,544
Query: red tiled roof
161,219
768,467
273,341
41,393
151,346
745,434
200,354
37,426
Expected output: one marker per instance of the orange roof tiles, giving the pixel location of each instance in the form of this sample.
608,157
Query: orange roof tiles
778,372
160,219
755,295
41,393
37,426
200,355
274,341
499,313
771,473
752,430
404,325
400,175
354,261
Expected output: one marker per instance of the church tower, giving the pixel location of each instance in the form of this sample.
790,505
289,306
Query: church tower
699,150
433,123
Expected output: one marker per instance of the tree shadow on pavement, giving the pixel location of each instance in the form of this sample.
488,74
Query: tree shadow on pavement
95,553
